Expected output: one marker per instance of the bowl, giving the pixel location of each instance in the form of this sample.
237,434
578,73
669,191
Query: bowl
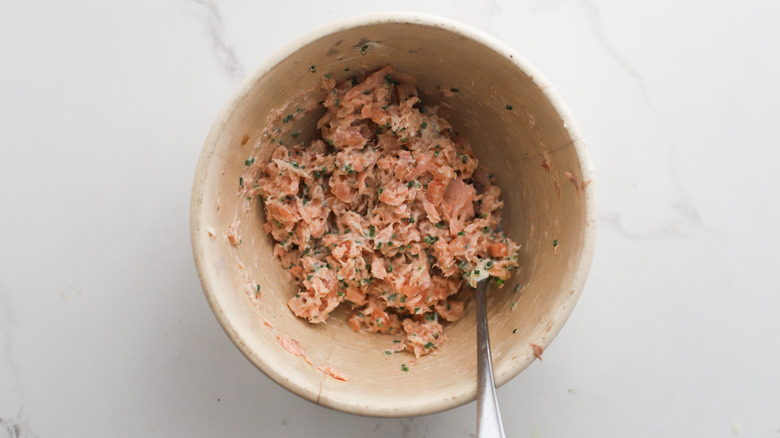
516,124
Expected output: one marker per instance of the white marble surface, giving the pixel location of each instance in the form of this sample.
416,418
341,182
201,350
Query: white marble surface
104,330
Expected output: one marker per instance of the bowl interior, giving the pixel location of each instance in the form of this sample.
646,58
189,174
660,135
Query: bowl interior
515,127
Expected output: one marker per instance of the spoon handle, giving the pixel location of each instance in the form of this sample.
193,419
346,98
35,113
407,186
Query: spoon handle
489,423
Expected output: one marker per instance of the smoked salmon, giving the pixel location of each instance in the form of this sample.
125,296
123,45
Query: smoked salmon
380,214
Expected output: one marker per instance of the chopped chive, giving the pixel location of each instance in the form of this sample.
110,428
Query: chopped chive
509,107
371,231
388,353
514,331
499,282
454,90
555,243
404,368
241,181
429,345
313,69
287,118
464,159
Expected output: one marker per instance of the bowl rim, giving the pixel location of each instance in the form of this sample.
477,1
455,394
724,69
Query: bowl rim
199,239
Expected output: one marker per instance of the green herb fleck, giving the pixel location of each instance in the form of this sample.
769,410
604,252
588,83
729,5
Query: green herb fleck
331,142
363,49
371,231
454,90
462,233
514,331
249,162
313,69
509,107
499,282
404,368
555,243
423,125
287,118
517,286
429,345
241,181
388,353
464,159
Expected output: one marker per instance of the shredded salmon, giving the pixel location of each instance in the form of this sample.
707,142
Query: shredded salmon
381,215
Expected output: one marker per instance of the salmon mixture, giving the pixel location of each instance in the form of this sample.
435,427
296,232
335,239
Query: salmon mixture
382,215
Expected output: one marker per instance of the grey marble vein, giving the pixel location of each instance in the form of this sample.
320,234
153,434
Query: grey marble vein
223,51
684,205
15,428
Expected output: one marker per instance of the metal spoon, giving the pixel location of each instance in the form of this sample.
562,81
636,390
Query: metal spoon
489,423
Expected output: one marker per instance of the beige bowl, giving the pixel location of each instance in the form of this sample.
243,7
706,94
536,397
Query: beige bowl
517,126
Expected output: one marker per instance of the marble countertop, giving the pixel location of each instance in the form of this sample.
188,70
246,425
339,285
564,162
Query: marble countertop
104,330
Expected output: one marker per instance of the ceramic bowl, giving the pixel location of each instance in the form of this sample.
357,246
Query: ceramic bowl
516,124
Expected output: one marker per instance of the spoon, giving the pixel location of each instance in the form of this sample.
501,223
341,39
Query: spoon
489,423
